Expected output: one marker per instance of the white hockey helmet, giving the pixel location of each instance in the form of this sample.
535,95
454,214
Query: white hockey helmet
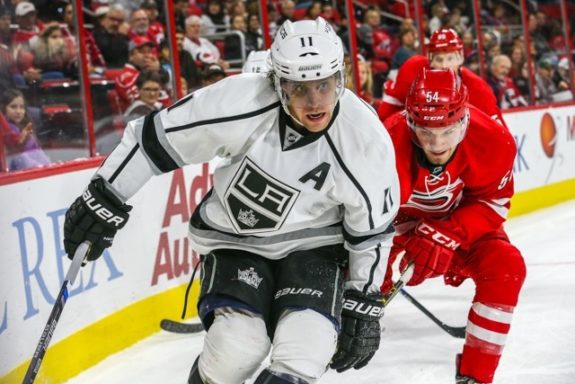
257,62
306,50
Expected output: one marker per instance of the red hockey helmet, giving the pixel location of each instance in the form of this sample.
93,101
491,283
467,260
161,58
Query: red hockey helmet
436,99
444,40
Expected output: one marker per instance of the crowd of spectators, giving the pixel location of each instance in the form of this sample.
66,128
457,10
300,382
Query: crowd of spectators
127,39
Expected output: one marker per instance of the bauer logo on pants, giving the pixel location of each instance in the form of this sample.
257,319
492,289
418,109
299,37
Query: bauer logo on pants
257,202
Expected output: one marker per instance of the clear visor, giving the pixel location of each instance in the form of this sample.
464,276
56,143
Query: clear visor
439,138
313,94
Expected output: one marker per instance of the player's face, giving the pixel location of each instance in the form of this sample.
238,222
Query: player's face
438,144
312,102
445,60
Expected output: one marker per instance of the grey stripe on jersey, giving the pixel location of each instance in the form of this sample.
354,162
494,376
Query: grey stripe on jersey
350,176
271,247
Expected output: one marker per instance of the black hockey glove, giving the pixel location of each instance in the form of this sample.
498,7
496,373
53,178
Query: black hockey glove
360,330
95,216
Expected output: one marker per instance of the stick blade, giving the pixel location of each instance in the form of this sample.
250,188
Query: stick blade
177,327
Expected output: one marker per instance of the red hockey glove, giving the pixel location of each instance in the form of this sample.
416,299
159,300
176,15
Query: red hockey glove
431,250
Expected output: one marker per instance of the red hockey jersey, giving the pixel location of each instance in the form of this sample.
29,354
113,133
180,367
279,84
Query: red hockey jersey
395,92
471,194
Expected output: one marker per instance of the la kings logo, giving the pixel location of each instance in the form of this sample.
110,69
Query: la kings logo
256,202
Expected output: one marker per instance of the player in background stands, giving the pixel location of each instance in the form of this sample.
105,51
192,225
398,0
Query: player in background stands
455,199
296,232
445,50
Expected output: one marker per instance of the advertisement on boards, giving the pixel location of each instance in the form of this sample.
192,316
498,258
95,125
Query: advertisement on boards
545,141
149,255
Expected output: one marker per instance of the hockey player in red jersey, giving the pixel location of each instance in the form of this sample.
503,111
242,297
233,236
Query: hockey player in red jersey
456,172
445,50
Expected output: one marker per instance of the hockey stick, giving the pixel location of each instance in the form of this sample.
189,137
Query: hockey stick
178,327
458,332
57,309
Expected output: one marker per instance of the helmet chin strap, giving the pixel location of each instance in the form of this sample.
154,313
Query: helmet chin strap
287,111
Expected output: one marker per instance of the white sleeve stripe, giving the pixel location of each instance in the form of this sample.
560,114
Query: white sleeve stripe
392,100
492,314
498,208
485,334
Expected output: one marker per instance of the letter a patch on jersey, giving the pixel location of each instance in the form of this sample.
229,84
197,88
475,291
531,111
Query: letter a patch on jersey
257,202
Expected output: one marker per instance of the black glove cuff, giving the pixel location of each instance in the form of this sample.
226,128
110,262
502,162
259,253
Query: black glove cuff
104,207
361,306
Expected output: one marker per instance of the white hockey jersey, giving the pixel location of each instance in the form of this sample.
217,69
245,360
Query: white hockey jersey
278,189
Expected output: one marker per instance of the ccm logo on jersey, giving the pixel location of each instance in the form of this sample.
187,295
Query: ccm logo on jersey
102,212
363,308
437,236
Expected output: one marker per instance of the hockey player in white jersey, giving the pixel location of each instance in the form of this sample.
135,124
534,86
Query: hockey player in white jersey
296,232
257,62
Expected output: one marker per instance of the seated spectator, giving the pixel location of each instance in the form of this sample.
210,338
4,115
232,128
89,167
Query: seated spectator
5,33
544,85
521,81
142,58
273,16
233,43
212,74
438,11
214,19
112,43
22,146
365,82
329,13
518,57
201,49
407,38
149,84
504,89
140,26
28,24
540,44
53,55
157,30
286,12
237,7
96,61
7,63
313,11
182,12
371,24
562,77
254,38
188,67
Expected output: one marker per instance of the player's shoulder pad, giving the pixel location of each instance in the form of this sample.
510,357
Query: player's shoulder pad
487,137
358,125
358,112
235,95
475,83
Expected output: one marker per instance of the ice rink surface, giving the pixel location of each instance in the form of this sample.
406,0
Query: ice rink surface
540,347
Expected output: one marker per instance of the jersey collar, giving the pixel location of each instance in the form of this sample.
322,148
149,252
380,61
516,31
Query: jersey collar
293,136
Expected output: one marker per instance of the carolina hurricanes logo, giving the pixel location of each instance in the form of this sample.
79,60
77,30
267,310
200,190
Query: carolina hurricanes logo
441,194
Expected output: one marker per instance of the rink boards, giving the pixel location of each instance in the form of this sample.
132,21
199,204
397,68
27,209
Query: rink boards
141,279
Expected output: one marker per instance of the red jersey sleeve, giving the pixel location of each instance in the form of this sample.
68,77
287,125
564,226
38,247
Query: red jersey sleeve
481,95
489,151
